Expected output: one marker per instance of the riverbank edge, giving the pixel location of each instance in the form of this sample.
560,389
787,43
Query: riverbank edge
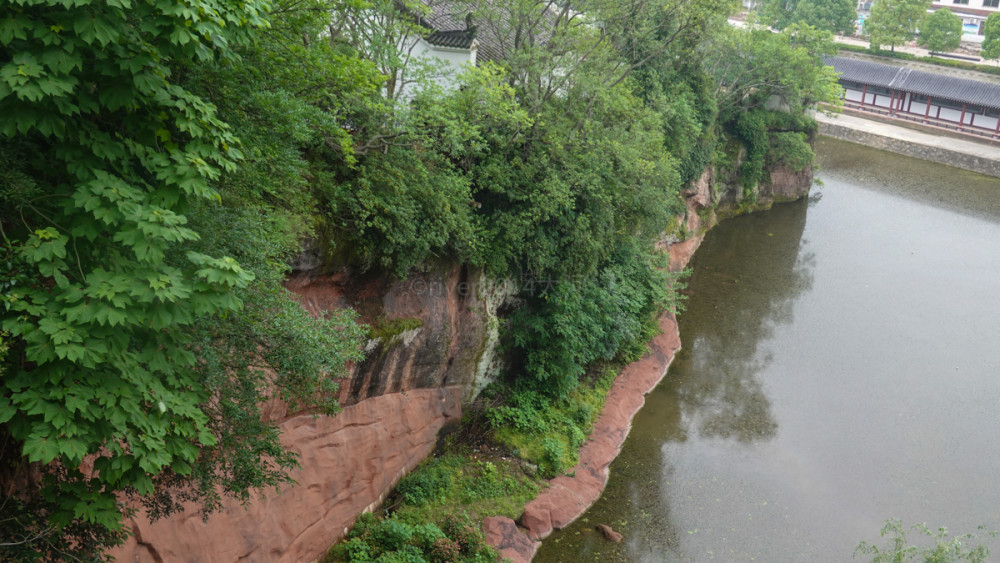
902,141
569,496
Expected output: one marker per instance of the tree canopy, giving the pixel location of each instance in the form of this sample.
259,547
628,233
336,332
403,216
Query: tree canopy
837,16
941,31
144,333
894,22
991,37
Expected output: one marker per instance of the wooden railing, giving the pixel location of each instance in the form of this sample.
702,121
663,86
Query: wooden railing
928,120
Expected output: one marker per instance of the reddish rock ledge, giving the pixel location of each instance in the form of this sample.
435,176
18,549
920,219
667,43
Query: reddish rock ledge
348,461
567,498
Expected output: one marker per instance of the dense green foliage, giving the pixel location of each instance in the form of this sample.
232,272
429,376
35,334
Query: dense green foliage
436,510
991,37
160,163
456,540
837,16
894,22
941,31
944,548
146,318
454,483
548,432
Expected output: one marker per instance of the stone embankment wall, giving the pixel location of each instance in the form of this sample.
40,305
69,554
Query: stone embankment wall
940,154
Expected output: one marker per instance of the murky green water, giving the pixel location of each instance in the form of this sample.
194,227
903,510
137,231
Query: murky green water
841,367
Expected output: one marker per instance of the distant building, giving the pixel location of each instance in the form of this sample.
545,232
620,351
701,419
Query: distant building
973,14
471,33
961,104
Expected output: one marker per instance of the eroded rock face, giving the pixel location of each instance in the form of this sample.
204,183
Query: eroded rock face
435,349
349,462
434,329
503,534
786,184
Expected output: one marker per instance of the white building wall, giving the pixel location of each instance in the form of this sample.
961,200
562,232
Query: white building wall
445,64
919,108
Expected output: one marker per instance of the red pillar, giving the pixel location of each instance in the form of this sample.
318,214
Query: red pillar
961,119
864,91
892,103
928,110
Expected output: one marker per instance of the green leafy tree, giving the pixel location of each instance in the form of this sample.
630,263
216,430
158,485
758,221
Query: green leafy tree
945,548
991,37
941,31
753,68
836,16
894,22
777,13
141,341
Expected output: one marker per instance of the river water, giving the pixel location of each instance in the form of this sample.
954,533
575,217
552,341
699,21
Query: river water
841,366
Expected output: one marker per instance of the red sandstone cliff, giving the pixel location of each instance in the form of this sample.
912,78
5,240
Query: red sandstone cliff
435,350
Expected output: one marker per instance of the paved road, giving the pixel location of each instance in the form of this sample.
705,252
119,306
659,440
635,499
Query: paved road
896,132
920,52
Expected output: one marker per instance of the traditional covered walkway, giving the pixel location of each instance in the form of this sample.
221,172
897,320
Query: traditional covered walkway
946,101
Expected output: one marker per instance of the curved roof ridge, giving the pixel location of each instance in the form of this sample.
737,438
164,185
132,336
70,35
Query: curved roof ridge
916,81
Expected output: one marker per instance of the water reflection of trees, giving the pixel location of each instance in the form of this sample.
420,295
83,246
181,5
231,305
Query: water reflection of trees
747,277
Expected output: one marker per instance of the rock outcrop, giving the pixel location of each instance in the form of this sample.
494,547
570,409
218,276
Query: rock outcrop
434,329
433,349
349,462
783,184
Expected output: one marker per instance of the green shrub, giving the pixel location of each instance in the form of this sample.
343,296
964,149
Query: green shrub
459,527
554,449
428,482
792,149
445,551
392,535
392,540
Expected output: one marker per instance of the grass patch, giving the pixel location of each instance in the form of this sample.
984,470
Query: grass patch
433,515
456,539
548,432
477,484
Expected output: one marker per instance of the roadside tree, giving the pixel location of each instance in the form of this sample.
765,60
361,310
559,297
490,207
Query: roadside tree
941,31
894,22
991,37
830,15
837,16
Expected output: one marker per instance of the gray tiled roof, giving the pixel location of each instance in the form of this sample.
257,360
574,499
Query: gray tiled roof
917,81
490,25
459,38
